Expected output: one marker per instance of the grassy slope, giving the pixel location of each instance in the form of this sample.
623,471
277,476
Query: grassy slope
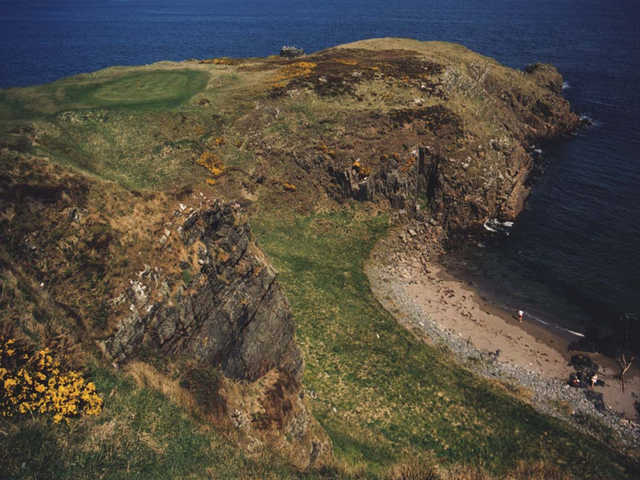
395,398
101,123
151,89
383,395
140,434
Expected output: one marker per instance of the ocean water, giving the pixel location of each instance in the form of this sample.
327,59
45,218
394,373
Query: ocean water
577,245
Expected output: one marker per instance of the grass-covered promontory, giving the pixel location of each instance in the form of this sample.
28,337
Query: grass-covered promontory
95,169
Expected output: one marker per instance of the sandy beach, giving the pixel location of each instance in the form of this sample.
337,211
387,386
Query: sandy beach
409,280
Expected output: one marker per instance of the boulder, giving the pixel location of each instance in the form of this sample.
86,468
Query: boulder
291,52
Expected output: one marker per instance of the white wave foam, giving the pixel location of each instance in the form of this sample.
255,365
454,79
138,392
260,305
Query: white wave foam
589,120
566,85
488,228
553,325
494,225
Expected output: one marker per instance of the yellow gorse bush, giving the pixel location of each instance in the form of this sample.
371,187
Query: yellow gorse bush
33,383
218,61
293,70
211,162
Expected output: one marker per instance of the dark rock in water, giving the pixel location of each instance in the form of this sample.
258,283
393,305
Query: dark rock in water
585,121
582,362
291,52
595,398
586,369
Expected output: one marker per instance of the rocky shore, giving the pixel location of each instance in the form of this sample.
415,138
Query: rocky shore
532,363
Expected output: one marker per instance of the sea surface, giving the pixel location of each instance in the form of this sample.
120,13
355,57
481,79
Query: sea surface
575,251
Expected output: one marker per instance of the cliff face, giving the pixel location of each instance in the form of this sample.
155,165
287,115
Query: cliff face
181,287
347,122
232,317
467,157
233,313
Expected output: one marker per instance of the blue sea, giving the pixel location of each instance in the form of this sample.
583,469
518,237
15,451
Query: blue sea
574,252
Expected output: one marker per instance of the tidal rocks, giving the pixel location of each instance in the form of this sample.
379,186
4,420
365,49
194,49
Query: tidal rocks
586,372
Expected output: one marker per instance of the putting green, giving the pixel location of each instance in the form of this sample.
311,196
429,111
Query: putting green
155,87
152,89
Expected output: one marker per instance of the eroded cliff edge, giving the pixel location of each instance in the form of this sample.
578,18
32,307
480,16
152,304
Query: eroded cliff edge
466,146
173,290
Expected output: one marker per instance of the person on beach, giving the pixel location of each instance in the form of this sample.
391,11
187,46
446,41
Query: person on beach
594,380
520,315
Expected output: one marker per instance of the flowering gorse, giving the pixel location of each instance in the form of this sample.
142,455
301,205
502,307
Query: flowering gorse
291,71
33,383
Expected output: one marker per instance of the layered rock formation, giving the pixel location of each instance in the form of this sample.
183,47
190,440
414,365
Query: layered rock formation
233,314
233,318
464,149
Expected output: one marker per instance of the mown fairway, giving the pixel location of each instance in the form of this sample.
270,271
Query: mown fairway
114,125
153,89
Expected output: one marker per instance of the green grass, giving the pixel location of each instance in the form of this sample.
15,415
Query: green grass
384,396
154,89
139,435
117,126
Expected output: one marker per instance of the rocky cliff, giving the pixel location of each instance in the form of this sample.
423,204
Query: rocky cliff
466,147
232,314
232,317
178,288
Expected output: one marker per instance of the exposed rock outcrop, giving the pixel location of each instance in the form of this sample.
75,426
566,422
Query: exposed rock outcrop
465,150
233,314
233,317
291,52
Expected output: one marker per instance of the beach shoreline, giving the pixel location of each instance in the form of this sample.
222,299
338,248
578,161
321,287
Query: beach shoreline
438,300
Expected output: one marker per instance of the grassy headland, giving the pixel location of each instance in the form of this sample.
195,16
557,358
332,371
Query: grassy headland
95,167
